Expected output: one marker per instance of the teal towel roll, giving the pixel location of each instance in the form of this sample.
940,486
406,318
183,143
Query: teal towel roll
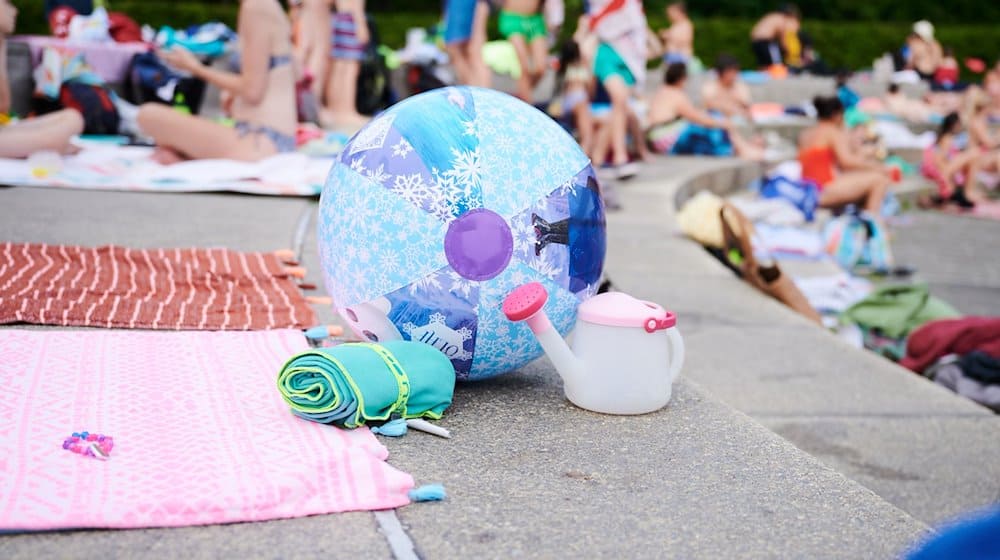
351,384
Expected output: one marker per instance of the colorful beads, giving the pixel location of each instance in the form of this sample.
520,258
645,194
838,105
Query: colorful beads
91,445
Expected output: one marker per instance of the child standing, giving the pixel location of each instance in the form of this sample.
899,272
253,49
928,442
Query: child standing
577,89
522,24
350,37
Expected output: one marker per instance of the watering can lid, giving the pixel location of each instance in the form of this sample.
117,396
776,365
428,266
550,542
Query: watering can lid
617,309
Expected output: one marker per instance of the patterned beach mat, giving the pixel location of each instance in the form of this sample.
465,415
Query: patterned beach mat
171,289
201,434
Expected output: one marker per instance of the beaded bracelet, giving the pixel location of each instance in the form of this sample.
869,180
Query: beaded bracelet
91,445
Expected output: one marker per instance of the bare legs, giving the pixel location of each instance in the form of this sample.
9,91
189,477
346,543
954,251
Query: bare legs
612,135
531,57
467,56
585,125
48,132
179,136
341,95
867,188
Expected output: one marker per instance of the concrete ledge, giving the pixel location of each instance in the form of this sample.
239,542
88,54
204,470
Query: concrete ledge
763,359
527,473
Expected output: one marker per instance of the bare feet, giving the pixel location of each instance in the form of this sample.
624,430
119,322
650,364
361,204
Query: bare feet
167,156
343,122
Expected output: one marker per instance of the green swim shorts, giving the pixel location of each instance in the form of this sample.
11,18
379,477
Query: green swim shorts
531,27
609,63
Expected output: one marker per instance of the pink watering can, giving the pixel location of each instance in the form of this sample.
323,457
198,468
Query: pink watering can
626,352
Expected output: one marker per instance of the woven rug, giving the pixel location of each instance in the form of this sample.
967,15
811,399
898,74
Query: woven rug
111,286
201,434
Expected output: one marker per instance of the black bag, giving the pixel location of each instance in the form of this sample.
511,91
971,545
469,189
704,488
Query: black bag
148,76
374,88
93,102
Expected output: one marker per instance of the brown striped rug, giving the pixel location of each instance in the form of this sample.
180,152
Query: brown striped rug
111,286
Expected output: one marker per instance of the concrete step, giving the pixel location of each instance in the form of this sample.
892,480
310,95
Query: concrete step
527,473
893,431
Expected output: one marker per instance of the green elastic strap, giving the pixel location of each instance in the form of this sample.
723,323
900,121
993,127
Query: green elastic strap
402,380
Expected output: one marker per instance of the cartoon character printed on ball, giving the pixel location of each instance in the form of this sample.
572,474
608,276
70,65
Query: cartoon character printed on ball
370,320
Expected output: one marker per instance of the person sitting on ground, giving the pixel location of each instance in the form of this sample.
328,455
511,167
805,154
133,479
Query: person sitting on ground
678,39
678,127
48,132
947,73
522,24
464,37
350,36
914,110
991,85
767,33
577,88
843,176
726,94
981,137
954,171
923,52
263,96
847,96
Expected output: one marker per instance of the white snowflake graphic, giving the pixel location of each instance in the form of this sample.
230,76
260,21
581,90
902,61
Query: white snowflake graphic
411,188
378,174
401,149
460,284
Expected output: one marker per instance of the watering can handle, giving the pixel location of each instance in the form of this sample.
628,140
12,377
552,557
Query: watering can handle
676,353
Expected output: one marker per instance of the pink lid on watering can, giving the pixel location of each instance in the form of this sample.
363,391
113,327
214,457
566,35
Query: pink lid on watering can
616,309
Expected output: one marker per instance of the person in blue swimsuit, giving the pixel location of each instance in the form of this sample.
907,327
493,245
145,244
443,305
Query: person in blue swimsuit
464,37
262,92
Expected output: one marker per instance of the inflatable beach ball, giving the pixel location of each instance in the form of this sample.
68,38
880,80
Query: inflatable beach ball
445,203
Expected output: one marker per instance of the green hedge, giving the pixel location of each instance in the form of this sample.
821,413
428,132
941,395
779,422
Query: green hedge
848,44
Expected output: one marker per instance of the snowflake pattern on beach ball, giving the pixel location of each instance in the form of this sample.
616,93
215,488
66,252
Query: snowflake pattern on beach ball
441,206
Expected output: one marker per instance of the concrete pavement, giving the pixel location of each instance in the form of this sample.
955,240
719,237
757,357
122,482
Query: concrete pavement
527,473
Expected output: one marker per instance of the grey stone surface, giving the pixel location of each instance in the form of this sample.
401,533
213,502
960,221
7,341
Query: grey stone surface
903,455
343,535
528,474
143,219
766,361
956,256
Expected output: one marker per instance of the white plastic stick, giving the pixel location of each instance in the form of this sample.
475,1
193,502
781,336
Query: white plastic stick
425,426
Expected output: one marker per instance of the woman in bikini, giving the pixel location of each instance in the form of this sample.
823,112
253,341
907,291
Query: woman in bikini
263,96
844,177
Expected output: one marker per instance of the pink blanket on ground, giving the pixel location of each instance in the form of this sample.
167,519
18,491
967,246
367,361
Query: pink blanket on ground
201,434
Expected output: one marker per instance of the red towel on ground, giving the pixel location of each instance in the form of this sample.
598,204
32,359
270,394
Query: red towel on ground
951,336
111,286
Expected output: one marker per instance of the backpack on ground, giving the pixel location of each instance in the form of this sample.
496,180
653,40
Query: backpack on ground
93,102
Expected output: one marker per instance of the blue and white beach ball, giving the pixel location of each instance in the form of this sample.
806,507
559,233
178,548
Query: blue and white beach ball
441,206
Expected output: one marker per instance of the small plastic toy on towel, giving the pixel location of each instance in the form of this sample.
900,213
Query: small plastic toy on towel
351,384
90,445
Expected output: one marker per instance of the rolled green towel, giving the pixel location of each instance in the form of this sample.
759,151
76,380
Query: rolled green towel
351,384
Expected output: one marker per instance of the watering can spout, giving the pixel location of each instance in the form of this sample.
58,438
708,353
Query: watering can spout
525,304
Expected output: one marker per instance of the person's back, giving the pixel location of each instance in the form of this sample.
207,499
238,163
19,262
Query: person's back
769,27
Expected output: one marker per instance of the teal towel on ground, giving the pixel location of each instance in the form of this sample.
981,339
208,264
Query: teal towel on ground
351,384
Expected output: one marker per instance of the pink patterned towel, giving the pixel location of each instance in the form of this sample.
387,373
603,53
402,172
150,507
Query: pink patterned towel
201,434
